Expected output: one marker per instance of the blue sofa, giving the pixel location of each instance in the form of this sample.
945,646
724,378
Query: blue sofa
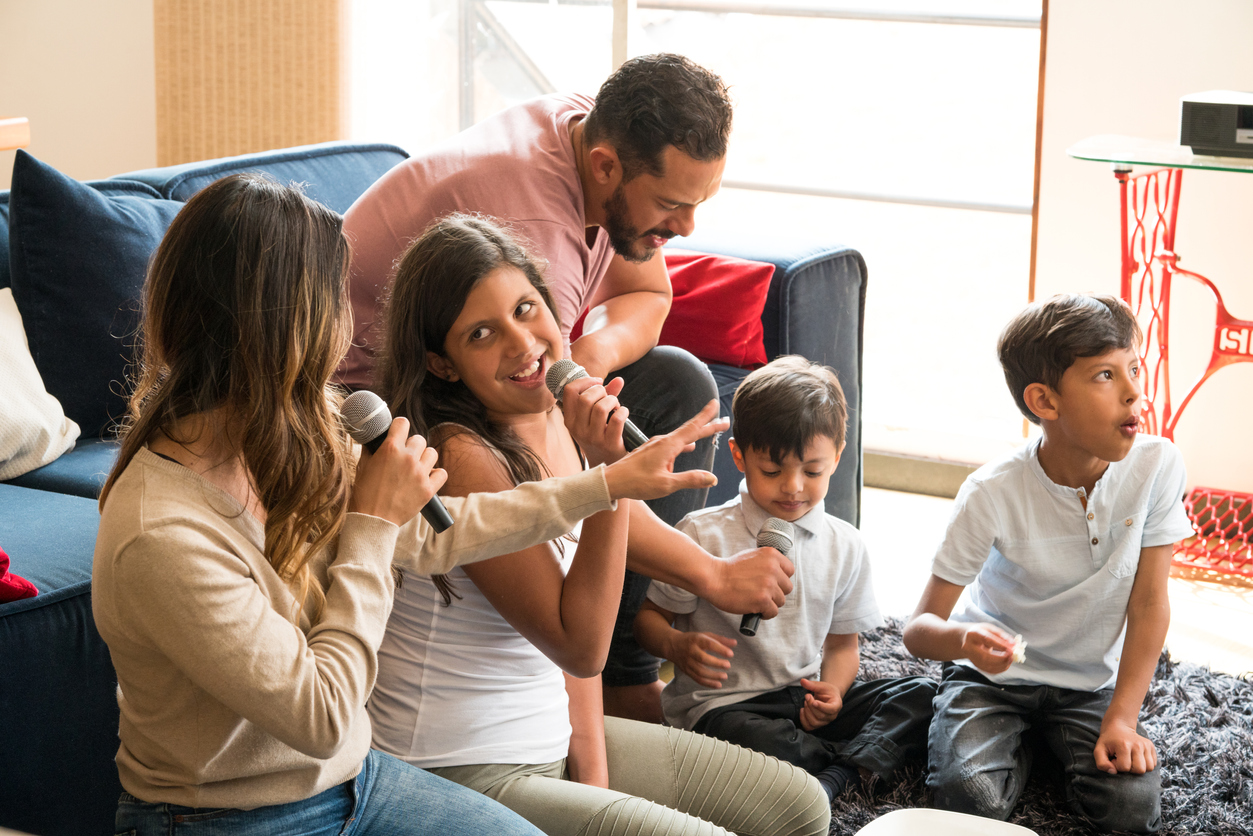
57,695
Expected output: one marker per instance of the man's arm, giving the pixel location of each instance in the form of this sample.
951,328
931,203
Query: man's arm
625,316
1120,748
756,580
930,635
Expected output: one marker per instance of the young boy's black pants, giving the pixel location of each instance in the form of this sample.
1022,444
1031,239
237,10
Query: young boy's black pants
882,725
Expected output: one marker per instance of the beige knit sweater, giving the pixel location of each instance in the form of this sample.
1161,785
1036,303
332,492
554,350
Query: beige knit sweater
228,697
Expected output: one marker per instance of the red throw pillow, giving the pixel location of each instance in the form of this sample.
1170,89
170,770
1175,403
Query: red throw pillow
716,313
12,587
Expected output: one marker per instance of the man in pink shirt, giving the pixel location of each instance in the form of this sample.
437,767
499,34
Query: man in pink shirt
595,188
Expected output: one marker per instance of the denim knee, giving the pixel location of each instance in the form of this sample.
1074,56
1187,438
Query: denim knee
988,794
1125,801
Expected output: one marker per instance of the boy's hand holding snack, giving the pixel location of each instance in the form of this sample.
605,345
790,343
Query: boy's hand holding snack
822,704
705,657
988,648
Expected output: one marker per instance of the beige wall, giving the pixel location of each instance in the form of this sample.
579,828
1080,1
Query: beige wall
1119,67
82,72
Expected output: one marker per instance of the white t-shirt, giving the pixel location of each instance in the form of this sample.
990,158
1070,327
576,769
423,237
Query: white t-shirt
1036,562
831,594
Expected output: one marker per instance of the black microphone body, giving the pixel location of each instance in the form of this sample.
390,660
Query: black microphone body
777,534
564,371
368,420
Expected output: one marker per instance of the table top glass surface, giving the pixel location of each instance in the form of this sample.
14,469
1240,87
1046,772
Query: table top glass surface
1112,148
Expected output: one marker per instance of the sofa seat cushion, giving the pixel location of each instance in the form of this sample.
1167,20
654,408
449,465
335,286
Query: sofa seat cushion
80,472
50,538
79,254
58,694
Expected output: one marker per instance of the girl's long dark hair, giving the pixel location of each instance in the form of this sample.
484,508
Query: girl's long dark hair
245,310
433,280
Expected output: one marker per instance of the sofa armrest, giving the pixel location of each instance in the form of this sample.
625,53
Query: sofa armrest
815,308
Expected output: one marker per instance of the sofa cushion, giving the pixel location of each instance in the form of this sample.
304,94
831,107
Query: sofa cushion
50,537
33,428
80,472
58,693
333,173
4,239
78,254
716,312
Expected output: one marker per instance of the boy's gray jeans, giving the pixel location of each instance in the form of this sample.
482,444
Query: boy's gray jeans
979,760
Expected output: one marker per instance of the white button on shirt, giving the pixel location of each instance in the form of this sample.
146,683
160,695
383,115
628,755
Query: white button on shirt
1036,562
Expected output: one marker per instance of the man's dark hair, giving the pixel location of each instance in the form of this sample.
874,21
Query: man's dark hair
783,406
654,101
1039,344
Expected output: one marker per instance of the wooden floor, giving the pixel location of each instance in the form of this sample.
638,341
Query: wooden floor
1211,623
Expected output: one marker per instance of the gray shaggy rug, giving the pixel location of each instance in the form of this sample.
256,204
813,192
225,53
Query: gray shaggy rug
1201,722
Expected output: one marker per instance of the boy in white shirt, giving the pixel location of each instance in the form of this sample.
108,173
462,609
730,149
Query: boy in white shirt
1063,549
788,691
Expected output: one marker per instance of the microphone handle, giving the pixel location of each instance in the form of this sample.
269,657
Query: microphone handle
434,512
437,515
748,624
632,437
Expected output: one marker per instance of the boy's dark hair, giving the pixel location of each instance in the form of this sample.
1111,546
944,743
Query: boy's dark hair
654,101
1039,344
783,406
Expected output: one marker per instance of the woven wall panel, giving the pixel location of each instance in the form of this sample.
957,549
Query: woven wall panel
238,76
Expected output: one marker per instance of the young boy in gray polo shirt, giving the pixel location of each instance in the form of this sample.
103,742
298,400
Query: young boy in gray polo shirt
1063,549
788,691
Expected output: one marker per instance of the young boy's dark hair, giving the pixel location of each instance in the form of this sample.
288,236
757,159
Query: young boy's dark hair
782,407
1039,344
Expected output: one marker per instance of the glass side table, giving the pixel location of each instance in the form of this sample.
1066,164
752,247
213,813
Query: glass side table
1148,208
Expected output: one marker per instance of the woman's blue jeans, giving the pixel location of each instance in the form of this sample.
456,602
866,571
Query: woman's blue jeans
388,798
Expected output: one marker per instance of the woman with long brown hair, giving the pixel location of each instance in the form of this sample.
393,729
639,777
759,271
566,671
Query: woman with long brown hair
489,675
243,572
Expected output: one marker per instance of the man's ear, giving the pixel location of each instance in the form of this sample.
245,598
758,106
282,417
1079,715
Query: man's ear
736,454
440,367
606,167
1041,400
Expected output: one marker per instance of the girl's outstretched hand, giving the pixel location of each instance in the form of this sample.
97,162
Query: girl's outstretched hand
648,472
397,481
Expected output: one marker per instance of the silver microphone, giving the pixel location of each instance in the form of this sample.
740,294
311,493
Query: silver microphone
776,534
368,420
564,371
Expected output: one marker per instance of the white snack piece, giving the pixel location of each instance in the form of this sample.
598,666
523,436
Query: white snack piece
1020,649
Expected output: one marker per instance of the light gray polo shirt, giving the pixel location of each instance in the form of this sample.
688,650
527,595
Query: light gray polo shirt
831,594
1036,562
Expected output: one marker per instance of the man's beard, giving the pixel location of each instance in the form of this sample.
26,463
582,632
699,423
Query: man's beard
623,237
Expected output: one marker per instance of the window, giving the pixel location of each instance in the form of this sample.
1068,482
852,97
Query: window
907,134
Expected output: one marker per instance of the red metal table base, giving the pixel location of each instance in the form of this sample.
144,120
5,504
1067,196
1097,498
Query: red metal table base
1150,205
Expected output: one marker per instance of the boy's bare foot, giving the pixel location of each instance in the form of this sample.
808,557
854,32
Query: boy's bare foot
634,702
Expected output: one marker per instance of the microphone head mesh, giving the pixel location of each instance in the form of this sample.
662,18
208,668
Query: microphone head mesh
561,373
366,415
776,534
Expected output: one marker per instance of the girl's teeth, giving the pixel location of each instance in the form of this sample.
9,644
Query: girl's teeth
528,371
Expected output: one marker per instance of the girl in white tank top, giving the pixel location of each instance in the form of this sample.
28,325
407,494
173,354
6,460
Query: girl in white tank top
489,675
